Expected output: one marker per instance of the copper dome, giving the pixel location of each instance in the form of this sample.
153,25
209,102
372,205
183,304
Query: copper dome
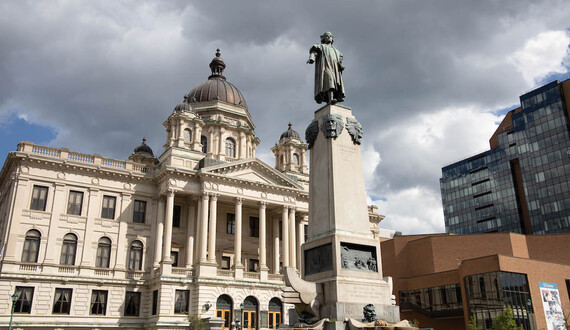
290,134
216,87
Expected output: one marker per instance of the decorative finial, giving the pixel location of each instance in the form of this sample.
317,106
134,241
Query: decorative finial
144,140
218,52
290,125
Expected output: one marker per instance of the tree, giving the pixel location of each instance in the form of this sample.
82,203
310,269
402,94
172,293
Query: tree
506,321
196,323
473,323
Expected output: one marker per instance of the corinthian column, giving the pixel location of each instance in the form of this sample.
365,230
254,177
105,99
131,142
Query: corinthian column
285,235
190,232
237,241
212,233
159,232
203,226
167,243
292,240
262,238
276,245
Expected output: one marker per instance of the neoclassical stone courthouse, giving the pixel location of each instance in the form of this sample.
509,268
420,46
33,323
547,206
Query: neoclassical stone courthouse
204,229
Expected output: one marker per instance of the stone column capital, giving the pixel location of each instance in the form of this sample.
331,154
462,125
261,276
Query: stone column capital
285,208
204,195
292,208
170,192
214,197
262,205
238,200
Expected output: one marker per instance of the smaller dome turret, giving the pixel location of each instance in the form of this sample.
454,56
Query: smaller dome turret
143,154
290,134
184,106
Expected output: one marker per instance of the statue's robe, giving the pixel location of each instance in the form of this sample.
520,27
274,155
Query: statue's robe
328,67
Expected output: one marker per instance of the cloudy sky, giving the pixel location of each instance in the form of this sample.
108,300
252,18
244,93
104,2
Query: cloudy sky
429,80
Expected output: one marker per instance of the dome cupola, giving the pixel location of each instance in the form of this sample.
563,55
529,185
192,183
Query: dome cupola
143,148
217,87
184,106
290,134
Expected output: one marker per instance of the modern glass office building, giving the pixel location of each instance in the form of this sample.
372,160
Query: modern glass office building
522,183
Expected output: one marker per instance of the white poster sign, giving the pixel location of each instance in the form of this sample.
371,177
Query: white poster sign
552,307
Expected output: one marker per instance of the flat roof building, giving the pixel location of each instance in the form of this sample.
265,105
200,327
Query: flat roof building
521,184
443,279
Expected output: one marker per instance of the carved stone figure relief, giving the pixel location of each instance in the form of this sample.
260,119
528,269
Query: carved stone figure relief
358,257
311,133
318,259
332,125
354,128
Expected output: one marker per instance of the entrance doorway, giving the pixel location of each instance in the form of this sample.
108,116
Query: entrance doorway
224,310
249,317
274,314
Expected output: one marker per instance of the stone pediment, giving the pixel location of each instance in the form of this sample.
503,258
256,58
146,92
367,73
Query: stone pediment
252,170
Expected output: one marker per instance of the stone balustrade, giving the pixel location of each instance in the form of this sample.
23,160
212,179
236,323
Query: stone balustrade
96,159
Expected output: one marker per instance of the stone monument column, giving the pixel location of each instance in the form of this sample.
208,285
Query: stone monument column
341,254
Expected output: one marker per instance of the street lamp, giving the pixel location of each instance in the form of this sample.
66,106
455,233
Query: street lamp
241,317
14,300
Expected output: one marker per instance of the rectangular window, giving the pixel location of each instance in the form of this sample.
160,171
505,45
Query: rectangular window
306,232
253,265
139,212
108,209
99,302
231,224
24,302
181,301
226,262
62,301
176,216
254,226
39,198
75,202
132,303
154,302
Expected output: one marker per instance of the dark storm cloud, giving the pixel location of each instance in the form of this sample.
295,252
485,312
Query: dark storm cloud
105,74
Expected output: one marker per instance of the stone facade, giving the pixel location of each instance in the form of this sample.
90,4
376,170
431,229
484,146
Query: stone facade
94,242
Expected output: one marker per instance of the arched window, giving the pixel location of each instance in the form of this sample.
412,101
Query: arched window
103,252
204,141
296,159
187,135
31,246
135,255
224,310
249,316
274,314
230,147
68,249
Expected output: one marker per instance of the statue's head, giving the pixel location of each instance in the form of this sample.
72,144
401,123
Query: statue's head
327,38
332,125
369,312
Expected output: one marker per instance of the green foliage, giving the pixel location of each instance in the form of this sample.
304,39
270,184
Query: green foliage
567,321
473,323
506,321
197,323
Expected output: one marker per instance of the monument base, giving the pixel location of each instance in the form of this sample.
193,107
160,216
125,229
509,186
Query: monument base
339,311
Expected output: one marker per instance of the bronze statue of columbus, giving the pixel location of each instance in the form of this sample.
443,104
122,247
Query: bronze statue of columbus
329,87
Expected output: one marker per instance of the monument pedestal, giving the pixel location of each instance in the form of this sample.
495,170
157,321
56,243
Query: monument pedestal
341,255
